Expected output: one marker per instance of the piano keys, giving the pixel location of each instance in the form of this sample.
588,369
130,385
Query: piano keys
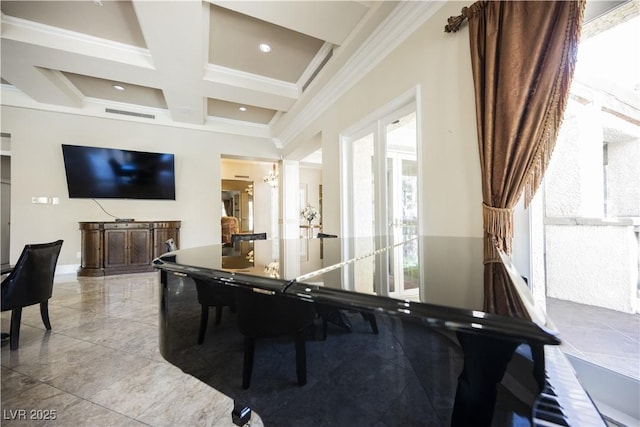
563,401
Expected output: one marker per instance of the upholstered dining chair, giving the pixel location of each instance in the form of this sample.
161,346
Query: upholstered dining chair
211,294
326,236
265,315
229,226
30,282
337,316
170,245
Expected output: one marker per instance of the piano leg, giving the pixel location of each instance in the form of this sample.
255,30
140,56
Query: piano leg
241,414
485,362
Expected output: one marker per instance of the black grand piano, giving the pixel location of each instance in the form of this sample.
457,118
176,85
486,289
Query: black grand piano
371,331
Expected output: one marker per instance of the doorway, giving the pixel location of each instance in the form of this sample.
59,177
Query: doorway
237,202
5,202
248,196
380,193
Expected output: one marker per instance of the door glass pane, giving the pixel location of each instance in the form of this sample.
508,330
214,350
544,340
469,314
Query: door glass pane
402,202
363,187
363,212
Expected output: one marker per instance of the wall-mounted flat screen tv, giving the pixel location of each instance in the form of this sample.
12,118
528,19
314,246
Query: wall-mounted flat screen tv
106,173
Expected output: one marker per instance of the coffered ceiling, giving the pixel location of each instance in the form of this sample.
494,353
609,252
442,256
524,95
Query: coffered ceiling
188,63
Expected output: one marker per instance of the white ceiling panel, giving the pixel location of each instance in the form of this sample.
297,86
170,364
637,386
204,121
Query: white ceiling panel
331,21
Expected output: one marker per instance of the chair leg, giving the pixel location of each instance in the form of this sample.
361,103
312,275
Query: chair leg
204,319
325,321
372,321
44,312
301,358
218,314
247,369
16,316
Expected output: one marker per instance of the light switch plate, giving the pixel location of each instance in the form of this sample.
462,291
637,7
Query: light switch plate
41,200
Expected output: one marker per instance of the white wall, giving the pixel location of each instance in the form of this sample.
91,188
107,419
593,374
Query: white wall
436,62
440,65
38,170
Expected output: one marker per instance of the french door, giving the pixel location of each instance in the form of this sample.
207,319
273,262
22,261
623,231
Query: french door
381,177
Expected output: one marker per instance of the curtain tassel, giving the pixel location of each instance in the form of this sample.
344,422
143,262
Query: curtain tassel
498,227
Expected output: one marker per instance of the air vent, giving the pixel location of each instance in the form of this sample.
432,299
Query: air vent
129,113
320,67
5,135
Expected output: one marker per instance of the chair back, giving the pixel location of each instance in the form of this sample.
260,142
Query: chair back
171,245
265,316
229,225
31,281
212,293
326,236
248,237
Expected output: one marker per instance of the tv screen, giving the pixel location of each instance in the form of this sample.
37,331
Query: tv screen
105,173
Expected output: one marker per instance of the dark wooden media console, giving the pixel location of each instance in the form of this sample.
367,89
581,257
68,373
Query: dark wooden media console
123,247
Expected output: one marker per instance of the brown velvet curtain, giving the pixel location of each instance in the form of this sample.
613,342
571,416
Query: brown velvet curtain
523,55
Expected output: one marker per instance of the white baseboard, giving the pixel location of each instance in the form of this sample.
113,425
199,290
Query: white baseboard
67,269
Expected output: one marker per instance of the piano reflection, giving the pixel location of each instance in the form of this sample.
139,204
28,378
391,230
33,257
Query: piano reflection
365,331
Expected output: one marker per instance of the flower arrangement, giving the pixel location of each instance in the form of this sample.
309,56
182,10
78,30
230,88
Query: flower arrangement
310,213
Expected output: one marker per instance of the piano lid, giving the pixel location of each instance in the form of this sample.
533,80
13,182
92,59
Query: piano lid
411,273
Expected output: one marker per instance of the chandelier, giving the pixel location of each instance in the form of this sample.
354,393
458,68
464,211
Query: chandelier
272,178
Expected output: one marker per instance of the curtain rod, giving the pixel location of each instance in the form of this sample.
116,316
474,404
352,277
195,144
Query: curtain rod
454,22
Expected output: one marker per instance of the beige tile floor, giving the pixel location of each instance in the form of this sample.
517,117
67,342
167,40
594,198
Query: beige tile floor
100,364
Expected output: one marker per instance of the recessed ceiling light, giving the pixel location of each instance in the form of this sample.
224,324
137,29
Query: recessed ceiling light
97,2
118,87
265,48
242,108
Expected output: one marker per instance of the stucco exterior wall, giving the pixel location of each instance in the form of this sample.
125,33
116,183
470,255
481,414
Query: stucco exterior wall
574,188
592,193
623,178
593,264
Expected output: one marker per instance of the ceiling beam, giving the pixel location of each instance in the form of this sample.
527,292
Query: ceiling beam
174,37
43,85
246,88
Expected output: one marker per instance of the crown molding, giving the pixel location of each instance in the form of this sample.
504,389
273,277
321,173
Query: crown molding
405,19
317,60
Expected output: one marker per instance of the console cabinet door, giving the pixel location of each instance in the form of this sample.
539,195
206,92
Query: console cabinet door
124,248
91,246
115,248
139,247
